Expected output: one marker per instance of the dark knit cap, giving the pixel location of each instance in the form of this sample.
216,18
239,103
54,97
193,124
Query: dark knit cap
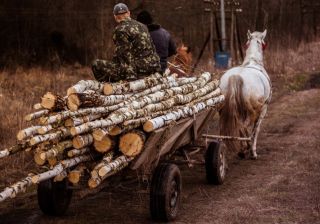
145,17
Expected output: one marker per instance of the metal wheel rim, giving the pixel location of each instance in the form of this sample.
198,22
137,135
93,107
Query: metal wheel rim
174,192
222,167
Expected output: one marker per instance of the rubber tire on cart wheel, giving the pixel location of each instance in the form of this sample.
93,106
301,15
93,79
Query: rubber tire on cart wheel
165,192
215,162
54,197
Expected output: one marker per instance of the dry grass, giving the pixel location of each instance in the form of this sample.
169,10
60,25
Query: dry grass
20,89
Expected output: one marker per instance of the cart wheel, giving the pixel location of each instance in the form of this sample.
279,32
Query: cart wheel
165,192
216,163
54,197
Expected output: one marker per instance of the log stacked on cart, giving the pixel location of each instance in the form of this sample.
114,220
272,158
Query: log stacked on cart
99,128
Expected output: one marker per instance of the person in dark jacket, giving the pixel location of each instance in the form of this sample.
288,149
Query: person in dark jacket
135,54
162,39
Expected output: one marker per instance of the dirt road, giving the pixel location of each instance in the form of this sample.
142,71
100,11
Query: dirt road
282,186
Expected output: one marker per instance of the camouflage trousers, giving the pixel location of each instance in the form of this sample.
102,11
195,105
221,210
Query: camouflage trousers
110,71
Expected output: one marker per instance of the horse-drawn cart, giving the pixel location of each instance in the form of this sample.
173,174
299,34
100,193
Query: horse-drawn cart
156,162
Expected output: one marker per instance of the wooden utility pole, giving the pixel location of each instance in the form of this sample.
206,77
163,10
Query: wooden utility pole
223,25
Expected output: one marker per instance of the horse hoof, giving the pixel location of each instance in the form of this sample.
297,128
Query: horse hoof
254,157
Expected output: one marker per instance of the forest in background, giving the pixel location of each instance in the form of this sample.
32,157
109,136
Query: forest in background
59,32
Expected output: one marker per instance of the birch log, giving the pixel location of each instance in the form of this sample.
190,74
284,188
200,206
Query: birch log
45,129
71,122
116,165
14,149
186,111
53,102
13,190
95,179
132,143
81,112
82,141
84,85
78,152
59,168
36,115
25,133
77,100
55,150
125,87
58,135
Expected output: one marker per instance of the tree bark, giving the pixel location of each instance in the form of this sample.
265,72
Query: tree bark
55,150
77,100
95,179
116,165
16,188
36,115
78,152
25,133
186,111
59,168
14,149
58,135
84,85
72,122
121,88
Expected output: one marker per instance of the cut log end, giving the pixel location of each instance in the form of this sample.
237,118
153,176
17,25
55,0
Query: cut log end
73,102
132,143
148,126
73,131
74,176
105,145
93,183
38,159
107,89
98,134
28,117
78,142
69,122
71,90
53,161
35,179
48,100
21,135
116,130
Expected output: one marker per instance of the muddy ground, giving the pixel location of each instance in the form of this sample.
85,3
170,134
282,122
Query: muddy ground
282,186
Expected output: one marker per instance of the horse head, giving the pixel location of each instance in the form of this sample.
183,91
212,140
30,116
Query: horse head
255,46
258,37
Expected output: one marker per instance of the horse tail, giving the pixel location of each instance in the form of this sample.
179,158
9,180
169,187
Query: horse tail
234,112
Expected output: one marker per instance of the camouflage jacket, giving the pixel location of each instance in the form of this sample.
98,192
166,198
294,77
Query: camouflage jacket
134,47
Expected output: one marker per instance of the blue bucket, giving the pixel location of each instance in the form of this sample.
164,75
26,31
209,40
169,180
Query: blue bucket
221,59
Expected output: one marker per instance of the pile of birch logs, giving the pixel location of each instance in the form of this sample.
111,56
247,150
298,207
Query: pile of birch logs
98,128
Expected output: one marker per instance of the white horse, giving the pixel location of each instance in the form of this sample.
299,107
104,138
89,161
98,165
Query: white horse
247,89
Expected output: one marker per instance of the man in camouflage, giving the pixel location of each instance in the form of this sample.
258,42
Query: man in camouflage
135,55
